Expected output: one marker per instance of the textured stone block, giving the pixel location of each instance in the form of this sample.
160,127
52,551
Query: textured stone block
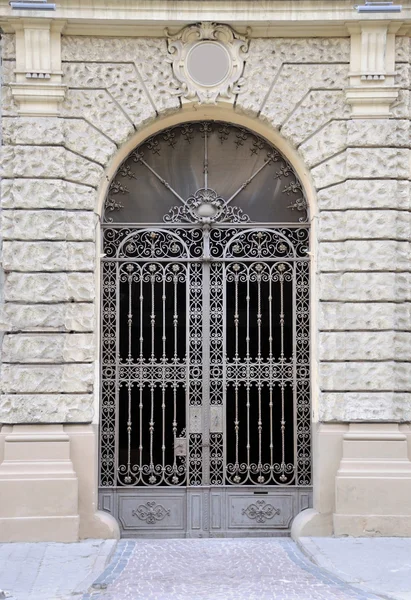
8,105
261,68
356,255
369,224
148,55
49,287
157,75
371,194
46,193
312,50
402,76
329,140
331,171
400,109
97,49
75,134
365,406
378,132
266,57
72,316
49,379
367,287
365,376
294,82
99,109
48,225
8,46
48,256
33,131
82,138
402,49
48,348
122,83
105,49
365,345
315,111
363,163
46,408
8,72
334,316
49,162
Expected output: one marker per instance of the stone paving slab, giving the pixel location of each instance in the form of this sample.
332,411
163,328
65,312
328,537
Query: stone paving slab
381,565
217,569
52,571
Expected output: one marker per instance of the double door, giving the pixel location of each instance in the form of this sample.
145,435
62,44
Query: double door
205,379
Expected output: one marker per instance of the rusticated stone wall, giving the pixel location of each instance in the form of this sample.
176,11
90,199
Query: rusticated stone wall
53,166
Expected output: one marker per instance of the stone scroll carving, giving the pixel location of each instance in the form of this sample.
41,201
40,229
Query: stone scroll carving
208,61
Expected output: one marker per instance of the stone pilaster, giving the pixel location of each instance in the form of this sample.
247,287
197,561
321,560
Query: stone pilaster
372,88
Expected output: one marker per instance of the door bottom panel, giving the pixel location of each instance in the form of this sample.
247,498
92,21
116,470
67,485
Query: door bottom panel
218,511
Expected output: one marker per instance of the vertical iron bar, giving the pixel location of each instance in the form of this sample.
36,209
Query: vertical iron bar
129,383
163,368
248,367
270,341
294,358
141,381
152,384
117,396
206,355
175,360
259,383
236,360
282,360
205,158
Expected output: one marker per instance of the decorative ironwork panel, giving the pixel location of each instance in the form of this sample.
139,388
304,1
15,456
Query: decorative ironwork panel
109,374
205,320
209,171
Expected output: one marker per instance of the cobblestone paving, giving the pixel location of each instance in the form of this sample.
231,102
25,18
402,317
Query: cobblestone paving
235,569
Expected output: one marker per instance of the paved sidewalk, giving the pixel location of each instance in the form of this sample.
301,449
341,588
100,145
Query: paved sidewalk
52,571
217,569
381,565
209,569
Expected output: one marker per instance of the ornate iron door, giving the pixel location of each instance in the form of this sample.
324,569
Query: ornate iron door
205,424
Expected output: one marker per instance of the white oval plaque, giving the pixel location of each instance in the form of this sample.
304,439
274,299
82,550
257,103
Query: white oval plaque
208,63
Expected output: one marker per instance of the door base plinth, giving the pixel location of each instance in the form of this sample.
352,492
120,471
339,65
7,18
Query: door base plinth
373,525
39,529
373,483
38,486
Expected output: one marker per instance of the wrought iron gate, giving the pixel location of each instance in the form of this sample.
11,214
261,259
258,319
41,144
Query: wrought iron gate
205,422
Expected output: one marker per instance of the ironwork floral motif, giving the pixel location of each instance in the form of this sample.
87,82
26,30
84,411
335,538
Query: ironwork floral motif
205,206
151,512
260,511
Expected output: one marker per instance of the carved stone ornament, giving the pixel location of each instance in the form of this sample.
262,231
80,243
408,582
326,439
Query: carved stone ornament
208,61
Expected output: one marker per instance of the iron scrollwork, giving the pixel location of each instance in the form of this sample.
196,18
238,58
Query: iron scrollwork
260,511
151,512
206,309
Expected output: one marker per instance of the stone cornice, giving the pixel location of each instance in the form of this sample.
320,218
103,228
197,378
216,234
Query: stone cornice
282,18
